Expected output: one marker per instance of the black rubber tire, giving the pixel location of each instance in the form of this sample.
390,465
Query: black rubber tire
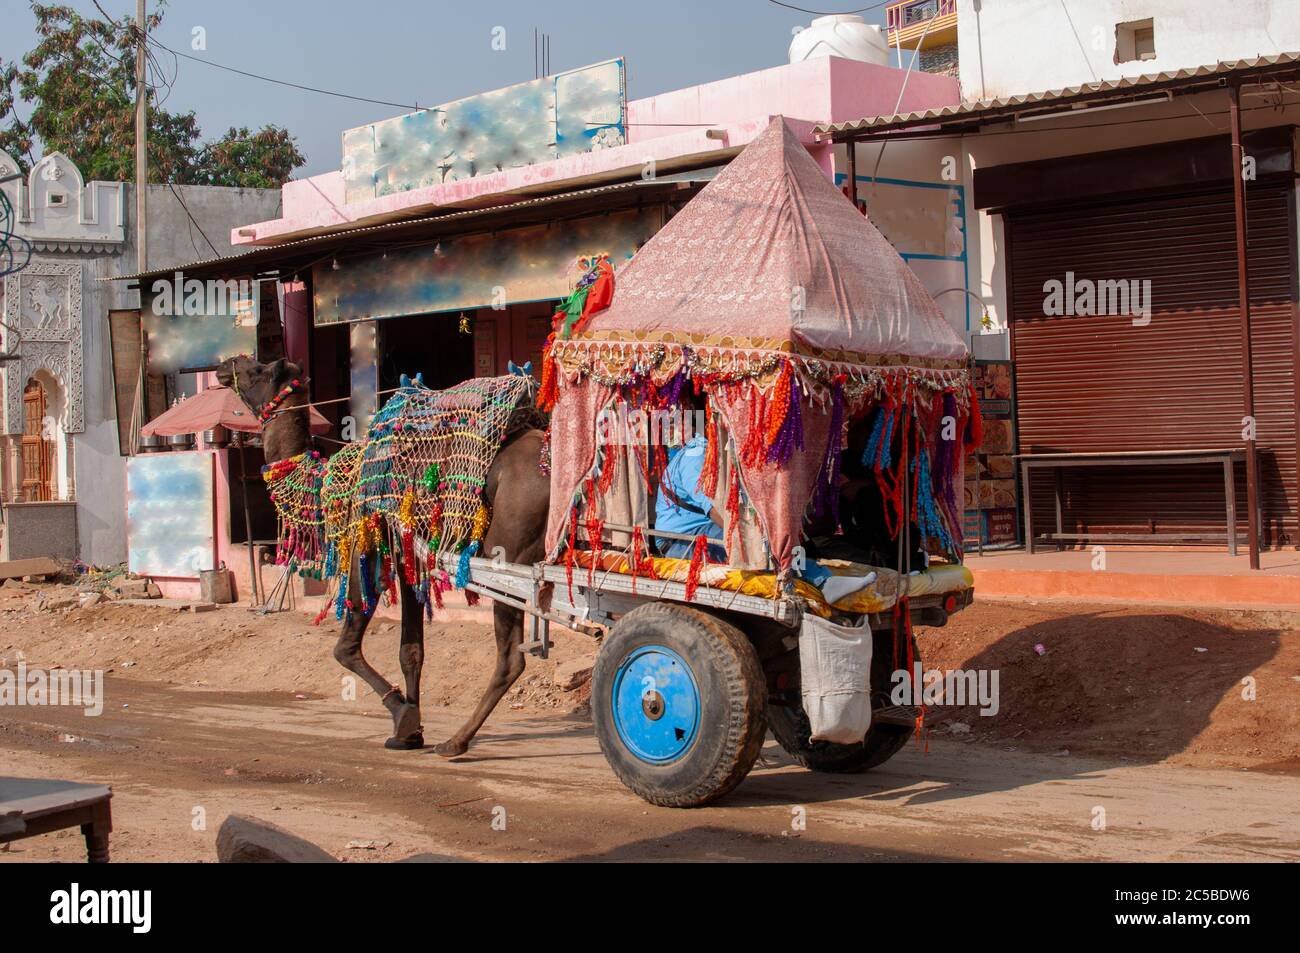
733,694
789,724
790,728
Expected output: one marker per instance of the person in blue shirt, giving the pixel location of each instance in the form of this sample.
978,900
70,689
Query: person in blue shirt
682,508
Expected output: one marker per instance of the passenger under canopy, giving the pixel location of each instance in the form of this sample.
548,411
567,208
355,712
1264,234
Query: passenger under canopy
785,308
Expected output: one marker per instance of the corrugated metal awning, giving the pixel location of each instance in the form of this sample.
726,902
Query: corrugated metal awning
1071,97
298,254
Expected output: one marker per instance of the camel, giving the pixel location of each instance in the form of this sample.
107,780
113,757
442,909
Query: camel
518,495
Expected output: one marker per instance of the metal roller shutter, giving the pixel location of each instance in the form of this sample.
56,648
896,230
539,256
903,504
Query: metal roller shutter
1099,383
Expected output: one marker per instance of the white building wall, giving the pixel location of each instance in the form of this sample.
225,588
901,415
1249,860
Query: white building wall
1022,46
82,233
918,195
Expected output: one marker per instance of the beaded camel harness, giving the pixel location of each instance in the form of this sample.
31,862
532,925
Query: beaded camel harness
411,490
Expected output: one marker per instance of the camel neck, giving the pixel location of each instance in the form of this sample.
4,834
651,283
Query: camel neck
288,432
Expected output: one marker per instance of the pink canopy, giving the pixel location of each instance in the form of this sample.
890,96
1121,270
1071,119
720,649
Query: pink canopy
767,288
770,257
216,406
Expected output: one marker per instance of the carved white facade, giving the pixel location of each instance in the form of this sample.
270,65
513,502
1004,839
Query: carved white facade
60,302
58,212
76,232
43,301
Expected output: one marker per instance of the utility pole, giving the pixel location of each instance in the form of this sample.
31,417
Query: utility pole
141,141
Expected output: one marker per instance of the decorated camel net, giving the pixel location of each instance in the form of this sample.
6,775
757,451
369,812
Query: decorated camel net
413,489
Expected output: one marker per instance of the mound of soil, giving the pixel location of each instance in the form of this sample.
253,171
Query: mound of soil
1211,688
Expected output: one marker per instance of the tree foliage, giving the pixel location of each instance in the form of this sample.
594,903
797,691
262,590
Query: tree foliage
78,87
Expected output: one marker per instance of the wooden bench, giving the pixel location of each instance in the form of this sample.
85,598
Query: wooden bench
1226,458
31,806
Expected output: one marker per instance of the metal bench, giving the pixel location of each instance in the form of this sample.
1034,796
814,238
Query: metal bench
1224,457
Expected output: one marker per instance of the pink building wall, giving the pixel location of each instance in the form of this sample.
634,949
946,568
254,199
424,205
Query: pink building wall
736,109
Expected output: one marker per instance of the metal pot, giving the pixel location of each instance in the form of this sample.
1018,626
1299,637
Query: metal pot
181,441
151,444
217,437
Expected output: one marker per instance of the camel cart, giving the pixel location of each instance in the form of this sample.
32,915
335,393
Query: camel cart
774,317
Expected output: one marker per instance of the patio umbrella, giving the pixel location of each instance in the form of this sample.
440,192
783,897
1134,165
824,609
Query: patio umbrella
221,407
216,406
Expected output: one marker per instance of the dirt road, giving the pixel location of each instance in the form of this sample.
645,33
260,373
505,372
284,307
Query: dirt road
180,759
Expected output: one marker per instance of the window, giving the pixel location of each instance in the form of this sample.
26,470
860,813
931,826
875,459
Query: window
1135,40
919,12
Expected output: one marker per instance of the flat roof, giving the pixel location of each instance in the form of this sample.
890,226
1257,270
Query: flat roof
305,252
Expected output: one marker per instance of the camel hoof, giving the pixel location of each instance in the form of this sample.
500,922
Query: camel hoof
410,743
450,749
406,721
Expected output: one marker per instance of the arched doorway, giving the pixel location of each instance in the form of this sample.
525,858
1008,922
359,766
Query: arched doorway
40,475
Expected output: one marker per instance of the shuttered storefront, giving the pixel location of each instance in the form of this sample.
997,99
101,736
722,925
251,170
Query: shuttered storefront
1100,383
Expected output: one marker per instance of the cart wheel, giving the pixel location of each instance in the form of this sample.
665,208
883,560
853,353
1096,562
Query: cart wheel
677,701
790,727
789,724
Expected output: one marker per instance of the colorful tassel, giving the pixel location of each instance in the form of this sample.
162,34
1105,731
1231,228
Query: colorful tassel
635,556
369,596
462,566
431,478
596,541
733,510
408,556
708,482
572,553
698,554
549,391
789,436
386,580
479,525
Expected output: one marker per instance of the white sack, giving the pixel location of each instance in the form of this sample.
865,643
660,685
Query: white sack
835,679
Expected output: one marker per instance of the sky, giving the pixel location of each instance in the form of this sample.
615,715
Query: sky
426,52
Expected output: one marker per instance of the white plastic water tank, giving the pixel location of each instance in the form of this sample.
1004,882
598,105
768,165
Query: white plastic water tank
841,34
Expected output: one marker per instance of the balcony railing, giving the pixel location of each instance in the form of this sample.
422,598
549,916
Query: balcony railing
904,15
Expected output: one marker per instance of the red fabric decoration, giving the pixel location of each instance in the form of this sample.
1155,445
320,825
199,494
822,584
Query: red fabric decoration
610,463
733,508
549,391
595,534
387,581
600,296
708,483
778,407
408,555
697,564
639,561
753,452
571,554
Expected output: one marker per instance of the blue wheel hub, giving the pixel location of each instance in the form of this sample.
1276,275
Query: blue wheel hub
656,704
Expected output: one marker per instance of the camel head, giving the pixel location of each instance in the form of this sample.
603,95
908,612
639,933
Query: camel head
256,383
284,434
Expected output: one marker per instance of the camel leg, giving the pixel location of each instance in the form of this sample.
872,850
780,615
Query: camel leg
407,731
509,624
347,652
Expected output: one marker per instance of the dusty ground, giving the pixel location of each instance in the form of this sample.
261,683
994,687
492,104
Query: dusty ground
226,711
